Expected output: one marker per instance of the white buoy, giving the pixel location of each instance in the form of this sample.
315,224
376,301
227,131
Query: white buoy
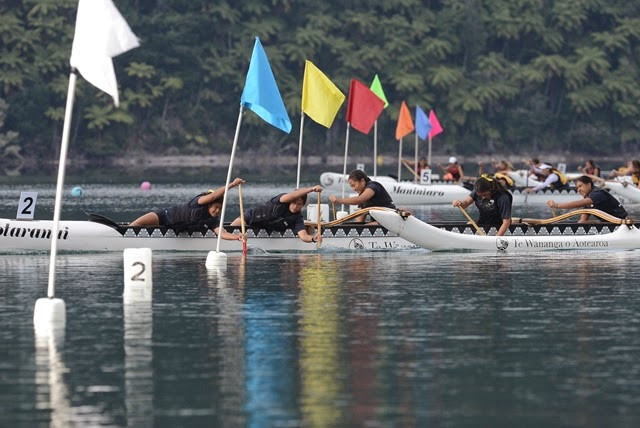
341,214
138,278
216,260
49,315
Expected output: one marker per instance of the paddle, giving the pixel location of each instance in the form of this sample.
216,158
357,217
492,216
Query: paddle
242,225
553,212
596,213
415,174
318,243
475,225
333,205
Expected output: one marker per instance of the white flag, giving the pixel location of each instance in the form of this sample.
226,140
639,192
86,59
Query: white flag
101,33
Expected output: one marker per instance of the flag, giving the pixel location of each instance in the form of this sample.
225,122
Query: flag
405,124
261,94
101,33
363,107
376,88
435,125
321,99
423,126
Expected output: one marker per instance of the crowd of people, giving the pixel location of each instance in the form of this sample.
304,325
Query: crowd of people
491,196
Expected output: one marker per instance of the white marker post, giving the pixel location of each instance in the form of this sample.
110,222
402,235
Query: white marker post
138,277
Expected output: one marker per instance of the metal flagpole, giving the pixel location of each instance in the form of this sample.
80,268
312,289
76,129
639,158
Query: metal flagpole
300,149
344,168
60,183
226,184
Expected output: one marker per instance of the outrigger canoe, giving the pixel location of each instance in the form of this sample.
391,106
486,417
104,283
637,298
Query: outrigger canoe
525,235
99,233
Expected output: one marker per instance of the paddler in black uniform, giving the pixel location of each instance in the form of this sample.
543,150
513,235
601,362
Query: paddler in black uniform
493,202
370,194
282,212
198,214
593,197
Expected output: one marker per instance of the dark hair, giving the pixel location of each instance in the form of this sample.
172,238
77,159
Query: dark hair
485,183
585,179
358,175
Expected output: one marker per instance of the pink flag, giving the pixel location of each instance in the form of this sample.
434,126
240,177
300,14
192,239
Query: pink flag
436,128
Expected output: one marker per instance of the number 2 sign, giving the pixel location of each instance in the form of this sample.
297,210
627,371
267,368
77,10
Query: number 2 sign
27,205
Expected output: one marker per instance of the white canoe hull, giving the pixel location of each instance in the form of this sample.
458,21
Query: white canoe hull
403,193
434,239
26,236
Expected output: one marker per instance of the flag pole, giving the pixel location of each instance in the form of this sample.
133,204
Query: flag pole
226,184
399,160
60,182
375,149
415,165
300,149
429,155
344,168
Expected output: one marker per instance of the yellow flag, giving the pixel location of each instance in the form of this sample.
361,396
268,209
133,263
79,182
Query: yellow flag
321,99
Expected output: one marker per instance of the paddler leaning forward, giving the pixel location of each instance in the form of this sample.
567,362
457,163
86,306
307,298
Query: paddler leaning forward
493,202
592,197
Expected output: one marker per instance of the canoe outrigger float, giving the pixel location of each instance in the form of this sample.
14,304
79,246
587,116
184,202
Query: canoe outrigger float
525,235
102,234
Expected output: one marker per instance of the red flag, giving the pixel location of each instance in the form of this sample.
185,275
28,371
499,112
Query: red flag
436,128
405,123
364,107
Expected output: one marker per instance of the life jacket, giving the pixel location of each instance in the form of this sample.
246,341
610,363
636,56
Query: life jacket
506,178
635,177
562,182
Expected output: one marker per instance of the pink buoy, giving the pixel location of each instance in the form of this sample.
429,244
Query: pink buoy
145,185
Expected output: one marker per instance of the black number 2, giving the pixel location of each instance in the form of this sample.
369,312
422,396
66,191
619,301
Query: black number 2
136,276
26,210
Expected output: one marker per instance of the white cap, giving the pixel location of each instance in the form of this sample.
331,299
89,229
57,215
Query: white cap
544,166
453,159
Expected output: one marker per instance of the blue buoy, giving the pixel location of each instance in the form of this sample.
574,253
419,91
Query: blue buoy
76,191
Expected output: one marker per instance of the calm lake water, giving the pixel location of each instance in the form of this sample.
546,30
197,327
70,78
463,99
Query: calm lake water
330,339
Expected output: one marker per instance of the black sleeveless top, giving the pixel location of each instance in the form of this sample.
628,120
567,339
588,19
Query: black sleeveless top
603,201
189,216
380,198
275,215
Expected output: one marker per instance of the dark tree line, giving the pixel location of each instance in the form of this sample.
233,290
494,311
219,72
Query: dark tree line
502,75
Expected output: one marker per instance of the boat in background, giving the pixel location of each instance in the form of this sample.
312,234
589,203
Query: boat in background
403,193
539,235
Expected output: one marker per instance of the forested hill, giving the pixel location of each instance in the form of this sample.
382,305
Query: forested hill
502,75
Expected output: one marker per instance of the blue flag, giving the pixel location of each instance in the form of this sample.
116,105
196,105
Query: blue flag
261,94
423,126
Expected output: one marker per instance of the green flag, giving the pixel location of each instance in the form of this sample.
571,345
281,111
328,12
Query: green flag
376,88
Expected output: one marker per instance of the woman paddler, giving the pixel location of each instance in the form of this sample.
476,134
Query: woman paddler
200,213
493,202
370,194
592,197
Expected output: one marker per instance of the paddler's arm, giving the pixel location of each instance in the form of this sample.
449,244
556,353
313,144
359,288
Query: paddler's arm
304,236
464,203
298,193
354,200
216,194
506,222
229,236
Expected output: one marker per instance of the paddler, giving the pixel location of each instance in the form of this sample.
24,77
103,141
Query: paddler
592,197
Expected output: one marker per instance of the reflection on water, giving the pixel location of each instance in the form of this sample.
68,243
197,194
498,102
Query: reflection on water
385,339
52,393
321,366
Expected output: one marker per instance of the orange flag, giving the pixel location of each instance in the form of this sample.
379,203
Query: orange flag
405,123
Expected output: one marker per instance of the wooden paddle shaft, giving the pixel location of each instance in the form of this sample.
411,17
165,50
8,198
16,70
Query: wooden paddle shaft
318,243
466,214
